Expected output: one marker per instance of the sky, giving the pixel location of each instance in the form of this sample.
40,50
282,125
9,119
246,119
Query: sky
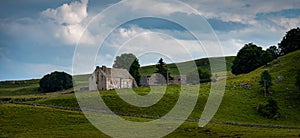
38,37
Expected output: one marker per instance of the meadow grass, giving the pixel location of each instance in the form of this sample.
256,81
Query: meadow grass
28,121
238,106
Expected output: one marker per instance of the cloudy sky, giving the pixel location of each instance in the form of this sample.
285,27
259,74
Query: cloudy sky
38,37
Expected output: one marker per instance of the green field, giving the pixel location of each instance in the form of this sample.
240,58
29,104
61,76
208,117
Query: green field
27,121
236,117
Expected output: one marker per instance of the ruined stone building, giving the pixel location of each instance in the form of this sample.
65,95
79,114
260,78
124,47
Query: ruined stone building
178,79
104,78
157,80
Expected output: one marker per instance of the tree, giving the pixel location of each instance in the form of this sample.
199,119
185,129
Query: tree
161,68
290,42
266,81
270,110
265,57
248,59
131,64
202,77
56,81
274,51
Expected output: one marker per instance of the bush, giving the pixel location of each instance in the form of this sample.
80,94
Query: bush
270,110
202,77
56,81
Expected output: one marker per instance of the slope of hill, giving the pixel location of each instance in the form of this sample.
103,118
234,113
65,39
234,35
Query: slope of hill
238,105
202,64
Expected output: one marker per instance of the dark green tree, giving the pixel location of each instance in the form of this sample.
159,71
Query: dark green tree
198,77
162,69
270,110
131,63
265,57
290,42
205,76
274,51
56,81
248,59
266,81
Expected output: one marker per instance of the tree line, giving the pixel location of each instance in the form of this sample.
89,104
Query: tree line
251,56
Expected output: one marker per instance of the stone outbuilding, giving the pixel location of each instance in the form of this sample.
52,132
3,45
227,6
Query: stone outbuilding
104,78
157,79
178,80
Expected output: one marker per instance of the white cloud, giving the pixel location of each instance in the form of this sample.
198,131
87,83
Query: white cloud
70,20
232,46
261,35
288,23
239,10
158,7
73,13
127,33
141,41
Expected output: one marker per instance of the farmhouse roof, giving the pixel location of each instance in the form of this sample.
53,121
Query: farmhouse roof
115,72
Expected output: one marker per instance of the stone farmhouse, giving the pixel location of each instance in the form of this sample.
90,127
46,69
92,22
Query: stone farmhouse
104,78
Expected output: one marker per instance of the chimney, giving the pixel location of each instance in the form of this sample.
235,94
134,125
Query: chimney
103,68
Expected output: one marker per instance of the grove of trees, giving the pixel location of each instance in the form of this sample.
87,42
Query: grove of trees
131,63
275,52
249,58
290,42
56,81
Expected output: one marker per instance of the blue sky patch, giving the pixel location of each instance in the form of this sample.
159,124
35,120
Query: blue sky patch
222,26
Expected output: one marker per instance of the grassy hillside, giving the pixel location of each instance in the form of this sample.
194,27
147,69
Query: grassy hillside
20,87
238,107
202,64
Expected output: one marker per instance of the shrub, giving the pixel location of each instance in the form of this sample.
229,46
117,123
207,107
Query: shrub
202,77
270,110
56,81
